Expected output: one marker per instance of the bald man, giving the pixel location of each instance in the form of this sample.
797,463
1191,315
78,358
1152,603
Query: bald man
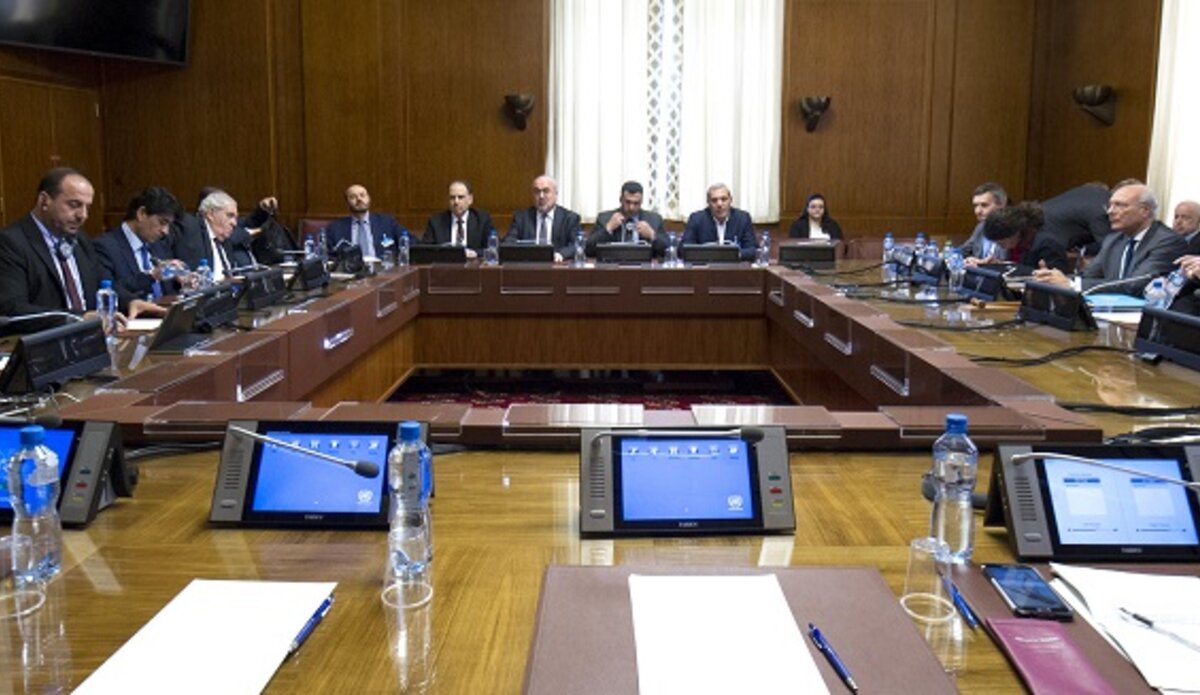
362,227
1187,225
546,222
1141,247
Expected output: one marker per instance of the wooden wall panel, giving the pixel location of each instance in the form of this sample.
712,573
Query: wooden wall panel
1082,42
874,59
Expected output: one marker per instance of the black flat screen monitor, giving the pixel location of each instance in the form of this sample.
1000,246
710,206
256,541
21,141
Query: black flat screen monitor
808,254
60,440
153,30
700,254
175,334
1055,306
263,484
220,308
983,284
624,254
1064,510
263,288
1169,334
311,274
428,254
48,358
521,252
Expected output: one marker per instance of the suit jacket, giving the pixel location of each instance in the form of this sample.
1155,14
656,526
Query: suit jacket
975,244
119,262
1045,249
1188,299
701,228
29,276
189,242
1154,255
562,231
600,235
479,226
381,224
799,228
1193,245
1078,217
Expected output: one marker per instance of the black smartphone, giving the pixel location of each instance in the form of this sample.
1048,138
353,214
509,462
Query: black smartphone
1026,593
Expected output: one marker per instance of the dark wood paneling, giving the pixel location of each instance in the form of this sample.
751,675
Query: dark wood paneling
1080,42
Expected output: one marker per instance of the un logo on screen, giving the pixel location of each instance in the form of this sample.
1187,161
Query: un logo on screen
365,497
735,503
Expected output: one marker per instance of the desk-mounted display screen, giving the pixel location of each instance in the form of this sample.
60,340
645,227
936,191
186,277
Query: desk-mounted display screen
60,440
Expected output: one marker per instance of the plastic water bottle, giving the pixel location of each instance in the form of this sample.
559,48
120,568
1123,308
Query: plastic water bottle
889,261
491,255
957,267
955,465
580,259
33,484
106,308
387,256
310,247
762,255
410,482
1175,282
1156,294
402,251
919,245
323,244
205,273
671,259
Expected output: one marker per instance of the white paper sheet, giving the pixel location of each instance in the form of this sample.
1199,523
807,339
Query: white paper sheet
1172,602
142,325
717,634
213,637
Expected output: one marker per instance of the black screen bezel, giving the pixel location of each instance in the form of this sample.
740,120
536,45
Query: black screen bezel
299,519
1119,552
685,526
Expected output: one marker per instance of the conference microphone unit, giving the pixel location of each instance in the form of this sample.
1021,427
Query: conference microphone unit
366,469
1118,283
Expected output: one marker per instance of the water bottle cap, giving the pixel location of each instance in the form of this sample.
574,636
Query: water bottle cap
410,431
203,263
956,423
106,284
32,435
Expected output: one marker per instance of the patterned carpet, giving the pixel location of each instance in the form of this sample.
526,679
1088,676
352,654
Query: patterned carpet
655,390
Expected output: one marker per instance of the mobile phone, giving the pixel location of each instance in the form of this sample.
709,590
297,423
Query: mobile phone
1026,593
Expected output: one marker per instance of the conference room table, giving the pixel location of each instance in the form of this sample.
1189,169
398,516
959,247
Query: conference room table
507,497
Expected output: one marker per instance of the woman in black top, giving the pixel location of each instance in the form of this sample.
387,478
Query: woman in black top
1016,229
816,222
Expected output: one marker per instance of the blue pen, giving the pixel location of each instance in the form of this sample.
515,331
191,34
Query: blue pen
311,625
834,660
960,603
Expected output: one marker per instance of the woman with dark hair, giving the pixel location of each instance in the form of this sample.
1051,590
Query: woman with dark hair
1015,229
816,222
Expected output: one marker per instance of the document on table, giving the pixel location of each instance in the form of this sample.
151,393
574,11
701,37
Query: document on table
714,634
142,325
213,637
1165,654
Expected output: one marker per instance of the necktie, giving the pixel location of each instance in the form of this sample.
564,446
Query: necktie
220,260
1127,259
148,268
74,299
460,235
543,236
364,239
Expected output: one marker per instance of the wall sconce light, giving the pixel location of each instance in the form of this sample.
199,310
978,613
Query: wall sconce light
813,108
1100,100
518,107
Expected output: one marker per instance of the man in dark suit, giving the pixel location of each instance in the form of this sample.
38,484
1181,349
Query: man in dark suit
136,253
1188,299
47,265
1187,225
190,240
721,223
461,224
1079,217
629,223
546,222
362,227
1017,232
1141,246
987,197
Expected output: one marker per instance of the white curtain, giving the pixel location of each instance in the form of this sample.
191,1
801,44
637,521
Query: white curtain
1174,169
614,115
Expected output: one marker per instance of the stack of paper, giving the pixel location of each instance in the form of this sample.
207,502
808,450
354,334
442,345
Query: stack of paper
1121,604
213,637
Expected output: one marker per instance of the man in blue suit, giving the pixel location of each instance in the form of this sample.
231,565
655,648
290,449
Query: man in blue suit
721,223
136,253
362,227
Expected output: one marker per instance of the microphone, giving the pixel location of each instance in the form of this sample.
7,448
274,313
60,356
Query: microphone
1118,283
51,421
630,231
366,469
1035,455
6,320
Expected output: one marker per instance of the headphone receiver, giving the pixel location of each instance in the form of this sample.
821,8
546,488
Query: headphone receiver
66,247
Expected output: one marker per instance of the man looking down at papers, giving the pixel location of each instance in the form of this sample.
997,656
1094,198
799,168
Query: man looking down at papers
1016,230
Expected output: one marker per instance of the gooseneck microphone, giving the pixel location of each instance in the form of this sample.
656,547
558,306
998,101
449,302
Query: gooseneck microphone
6,320
1118,283
50,421
1035,455
366,469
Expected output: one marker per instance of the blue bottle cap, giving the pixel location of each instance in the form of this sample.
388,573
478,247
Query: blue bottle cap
32,435
106,284
956,423
410,431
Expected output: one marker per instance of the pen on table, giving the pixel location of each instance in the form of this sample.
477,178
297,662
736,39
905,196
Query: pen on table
311,624
960,603
834,660
1159,629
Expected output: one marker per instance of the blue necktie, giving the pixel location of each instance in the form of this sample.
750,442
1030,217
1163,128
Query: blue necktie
148,266
1127,259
